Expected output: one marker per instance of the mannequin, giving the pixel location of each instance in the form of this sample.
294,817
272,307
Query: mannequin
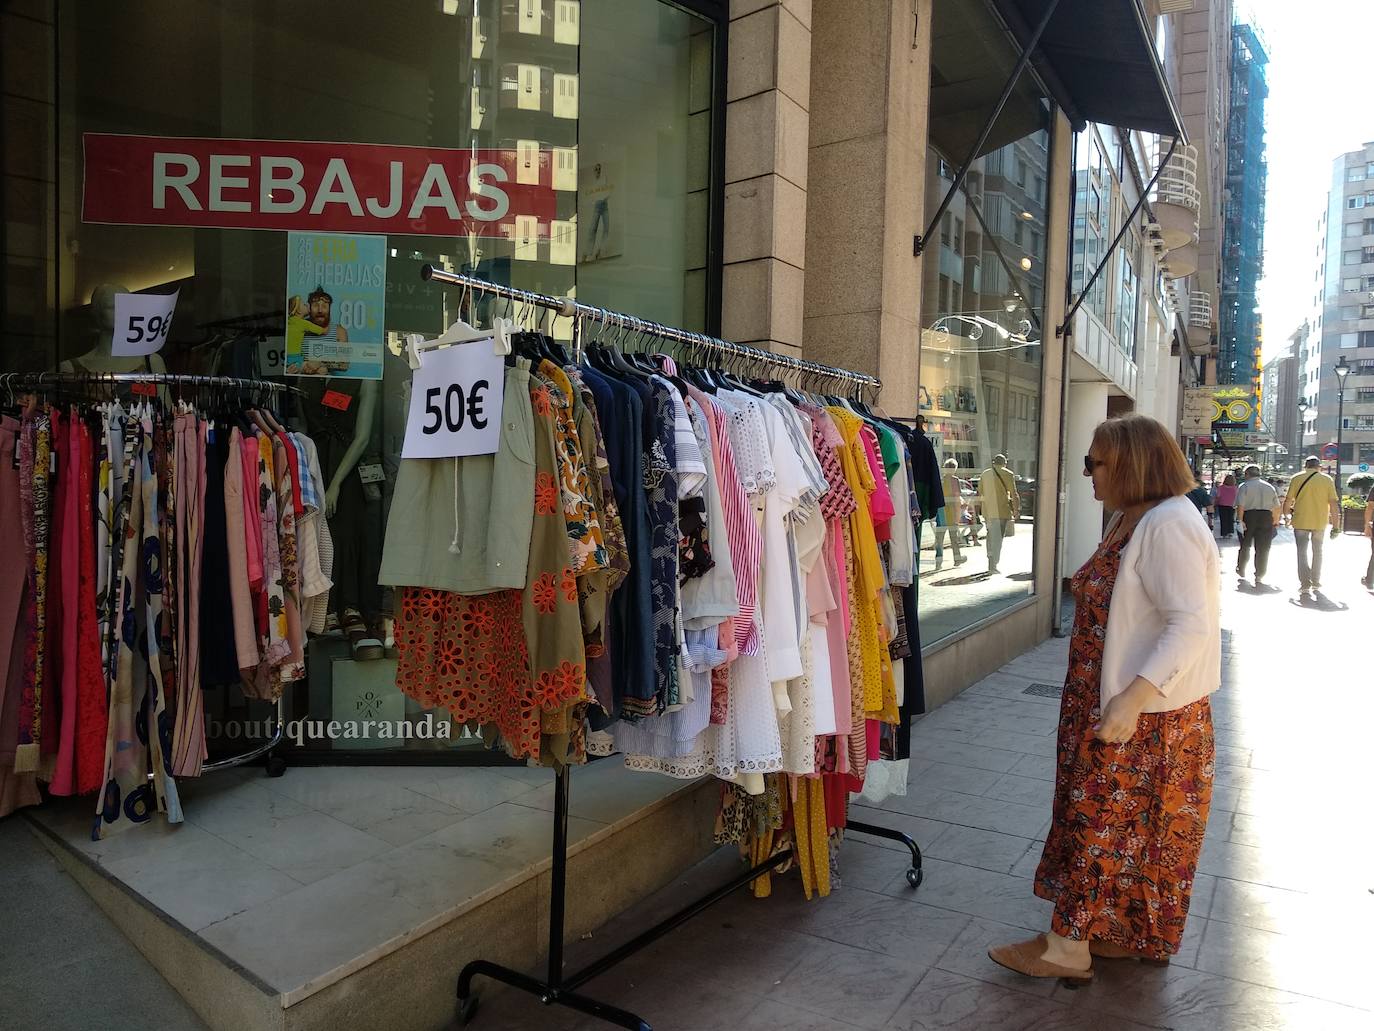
362,435
101,358
352,507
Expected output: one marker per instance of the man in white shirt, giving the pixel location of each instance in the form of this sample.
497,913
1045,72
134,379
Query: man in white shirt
1257,508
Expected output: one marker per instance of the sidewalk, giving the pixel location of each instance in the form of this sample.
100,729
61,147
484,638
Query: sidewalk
1280,914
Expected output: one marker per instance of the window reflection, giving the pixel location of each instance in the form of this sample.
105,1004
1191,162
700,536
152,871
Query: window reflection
982,324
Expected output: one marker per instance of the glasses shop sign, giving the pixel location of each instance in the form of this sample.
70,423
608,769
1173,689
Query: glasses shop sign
309,186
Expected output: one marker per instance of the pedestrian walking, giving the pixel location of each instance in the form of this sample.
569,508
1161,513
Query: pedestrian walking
1133,782
1202,498
949,520
1224,502
1000,504
1257,506
1311,501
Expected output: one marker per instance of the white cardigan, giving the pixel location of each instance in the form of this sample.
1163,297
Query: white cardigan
1164,622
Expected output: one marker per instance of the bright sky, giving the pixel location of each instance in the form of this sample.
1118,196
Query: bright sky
1318,107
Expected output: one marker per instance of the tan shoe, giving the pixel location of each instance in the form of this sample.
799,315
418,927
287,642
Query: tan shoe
1028,958
1110,950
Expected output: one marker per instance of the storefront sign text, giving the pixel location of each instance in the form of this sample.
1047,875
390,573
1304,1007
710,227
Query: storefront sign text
308,186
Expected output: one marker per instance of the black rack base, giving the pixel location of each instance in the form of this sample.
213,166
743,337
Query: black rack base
560,989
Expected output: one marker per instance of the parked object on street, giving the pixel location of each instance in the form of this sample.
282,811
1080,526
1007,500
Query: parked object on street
1153,583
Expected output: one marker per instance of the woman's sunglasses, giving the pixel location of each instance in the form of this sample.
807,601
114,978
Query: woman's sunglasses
1089,464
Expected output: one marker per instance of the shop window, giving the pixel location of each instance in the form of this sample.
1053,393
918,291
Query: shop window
980,358
603,189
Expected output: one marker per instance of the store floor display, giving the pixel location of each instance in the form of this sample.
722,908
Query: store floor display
165,547
713,583
694,554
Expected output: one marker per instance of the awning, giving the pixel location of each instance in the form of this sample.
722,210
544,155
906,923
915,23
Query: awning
1098,59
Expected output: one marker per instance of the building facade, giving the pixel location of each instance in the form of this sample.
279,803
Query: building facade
1241,338
1148,326
1342,324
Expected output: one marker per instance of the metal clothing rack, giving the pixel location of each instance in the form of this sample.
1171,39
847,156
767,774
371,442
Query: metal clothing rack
51,380
42,381
559,987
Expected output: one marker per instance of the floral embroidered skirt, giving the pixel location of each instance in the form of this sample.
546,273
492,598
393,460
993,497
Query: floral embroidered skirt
1128,825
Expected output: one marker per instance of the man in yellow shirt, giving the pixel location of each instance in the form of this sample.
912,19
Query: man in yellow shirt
1311,504
1000,503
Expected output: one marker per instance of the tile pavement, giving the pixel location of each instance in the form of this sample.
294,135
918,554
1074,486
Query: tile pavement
1280,911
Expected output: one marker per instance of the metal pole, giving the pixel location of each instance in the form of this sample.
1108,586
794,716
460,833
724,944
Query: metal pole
988,125
558,879
1340,425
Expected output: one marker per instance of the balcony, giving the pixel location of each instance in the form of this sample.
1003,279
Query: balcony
1200,310
1177,201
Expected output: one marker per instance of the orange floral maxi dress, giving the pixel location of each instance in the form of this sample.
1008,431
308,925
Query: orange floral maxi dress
1123,847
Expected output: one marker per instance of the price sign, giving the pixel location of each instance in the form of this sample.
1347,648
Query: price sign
336,400
455,402
271,355
142,322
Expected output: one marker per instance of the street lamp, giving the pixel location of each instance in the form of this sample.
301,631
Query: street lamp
1302,426
1342,370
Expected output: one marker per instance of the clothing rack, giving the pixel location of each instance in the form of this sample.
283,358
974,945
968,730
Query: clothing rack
44,380
559,987
567,307
41,381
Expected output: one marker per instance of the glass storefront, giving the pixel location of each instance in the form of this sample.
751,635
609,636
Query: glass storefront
983,302
305,162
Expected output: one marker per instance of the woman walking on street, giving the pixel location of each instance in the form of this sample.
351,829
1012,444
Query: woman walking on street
1136,753
1226,504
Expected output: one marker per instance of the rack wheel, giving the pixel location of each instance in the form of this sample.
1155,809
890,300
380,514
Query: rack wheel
914,877
276,766
467,1009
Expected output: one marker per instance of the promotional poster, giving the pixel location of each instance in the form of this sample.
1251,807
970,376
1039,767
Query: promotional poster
335,305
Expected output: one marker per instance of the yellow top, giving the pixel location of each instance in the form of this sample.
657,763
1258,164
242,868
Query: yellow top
879,689
996,488
1313,508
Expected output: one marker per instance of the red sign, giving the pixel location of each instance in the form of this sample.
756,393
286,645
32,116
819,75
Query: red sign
314,187
336,399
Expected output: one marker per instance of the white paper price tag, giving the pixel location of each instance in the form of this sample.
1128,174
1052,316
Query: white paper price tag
455,402
142,322
271,356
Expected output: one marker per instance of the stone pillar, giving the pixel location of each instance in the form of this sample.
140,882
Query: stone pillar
768,94
870,87
1087,408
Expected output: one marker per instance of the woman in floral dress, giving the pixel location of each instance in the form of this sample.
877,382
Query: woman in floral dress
1135,758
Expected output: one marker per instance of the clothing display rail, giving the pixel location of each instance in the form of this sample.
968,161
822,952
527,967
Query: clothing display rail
559,987
44,380
566,307
11,382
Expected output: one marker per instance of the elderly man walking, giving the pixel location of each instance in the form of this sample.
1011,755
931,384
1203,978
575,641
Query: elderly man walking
1257,508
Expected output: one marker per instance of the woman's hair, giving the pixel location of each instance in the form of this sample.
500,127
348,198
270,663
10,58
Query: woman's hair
951,463
1230,480
1144,462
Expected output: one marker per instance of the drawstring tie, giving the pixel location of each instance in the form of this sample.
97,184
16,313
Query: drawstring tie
453,544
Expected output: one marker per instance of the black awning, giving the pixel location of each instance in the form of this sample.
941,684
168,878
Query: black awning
1098,59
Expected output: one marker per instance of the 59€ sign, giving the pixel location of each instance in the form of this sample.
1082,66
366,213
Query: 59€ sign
456,402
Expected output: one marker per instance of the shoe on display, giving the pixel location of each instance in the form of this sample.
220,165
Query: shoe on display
363,644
